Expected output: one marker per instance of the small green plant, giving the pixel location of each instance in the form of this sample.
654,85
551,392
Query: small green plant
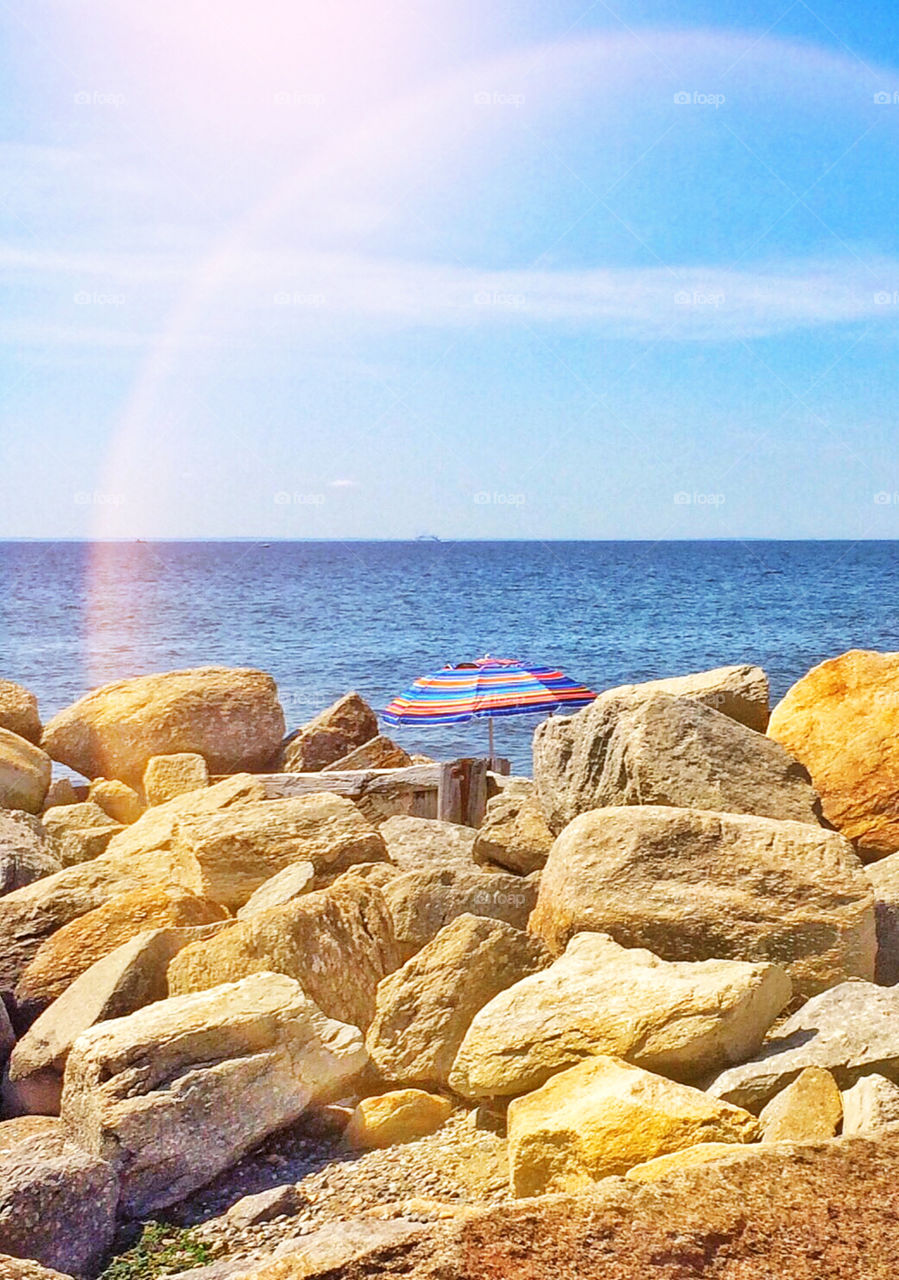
161,1250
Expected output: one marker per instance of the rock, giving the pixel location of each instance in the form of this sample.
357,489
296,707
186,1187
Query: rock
57,1201
653,749
149,843
681,1020
33,913
824,1212
227,855
497,783
739,692
347,724
424,1009
24,855
871,1107
168,776
425,844
18,712
119,801
337,942
130,977
693,885
851,1030
230,716
514,833
604,1116
74,947
24,773
7,1035
281,888
335,1250
250,1211
808,1110
60,792
26,1269
840,721
393,1118
79,832
177,1092
378,753
884,876
423,902
689,1157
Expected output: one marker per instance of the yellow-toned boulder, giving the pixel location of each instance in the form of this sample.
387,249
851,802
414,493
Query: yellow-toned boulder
24,773
18,711
168,776
702,1153
604,1116
808,1110
231,716
78,832
60,792
391,1118
378,753
347,724
840,721
71,950
227,855
117,799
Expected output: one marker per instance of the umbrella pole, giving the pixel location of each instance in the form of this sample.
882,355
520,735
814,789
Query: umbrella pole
490,738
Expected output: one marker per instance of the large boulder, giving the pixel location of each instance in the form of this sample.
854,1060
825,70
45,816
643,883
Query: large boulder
131,976
26,1269
177,1092
740,692
851,1030
168,776
337,942
604,1116
24,773
149,843
423,902
424,1009
18,711
651,748
884,876
57,1201
230,716
378,753
72,949
840,721
514,834
681,1020
281,888
24,852
427,844
693,885
228,855
79,832
348,723
33,913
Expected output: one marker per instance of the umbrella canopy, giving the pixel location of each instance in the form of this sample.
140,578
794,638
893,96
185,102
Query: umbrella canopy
490,687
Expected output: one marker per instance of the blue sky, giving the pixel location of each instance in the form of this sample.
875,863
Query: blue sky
514,270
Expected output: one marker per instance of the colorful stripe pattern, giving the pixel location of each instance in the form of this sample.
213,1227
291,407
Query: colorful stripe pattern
489,687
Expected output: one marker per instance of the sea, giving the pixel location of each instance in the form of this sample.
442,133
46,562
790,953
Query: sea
327,617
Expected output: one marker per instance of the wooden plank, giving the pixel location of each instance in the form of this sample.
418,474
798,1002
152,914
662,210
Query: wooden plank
352,782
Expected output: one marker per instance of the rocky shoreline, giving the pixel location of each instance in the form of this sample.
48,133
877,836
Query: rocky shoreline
641,1021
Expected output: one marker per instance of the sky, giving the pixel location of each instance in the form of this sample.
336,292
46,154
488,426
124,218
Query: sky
400,267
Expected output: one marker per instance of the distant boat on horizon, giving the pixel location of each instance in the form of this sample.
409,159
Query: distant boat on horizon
428,537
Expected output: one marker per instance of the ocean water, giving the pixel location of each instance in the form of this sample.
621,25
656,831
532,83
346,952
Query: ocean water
327,617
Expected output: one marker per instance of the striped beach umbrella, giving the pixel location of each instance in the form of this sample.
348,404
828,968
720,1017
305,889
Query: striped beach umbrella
486,689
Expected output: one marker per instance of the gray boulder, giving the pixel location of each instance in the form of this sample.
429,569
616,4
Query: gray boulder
424,902
852,1030
57,1201
871,1108
425,844
740,692
884,876
638,748
24,855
